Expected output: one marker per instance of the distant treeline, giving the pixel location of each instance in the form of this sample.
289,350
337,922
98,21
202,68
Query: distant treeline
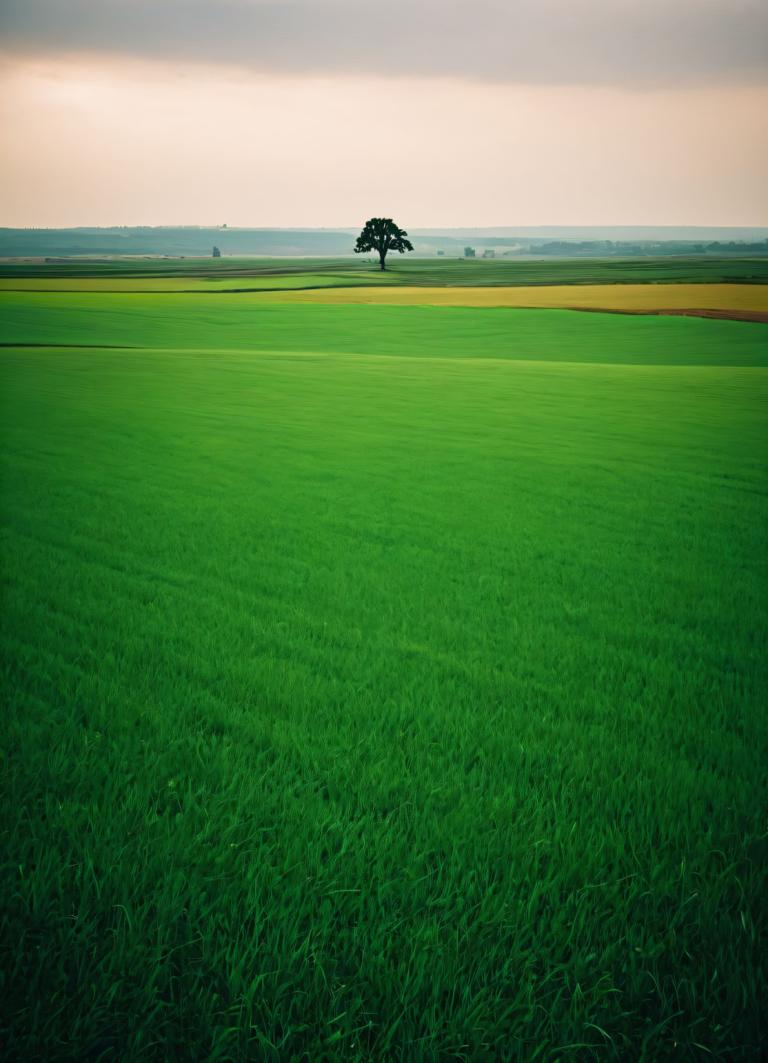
175,242
194,242
655,247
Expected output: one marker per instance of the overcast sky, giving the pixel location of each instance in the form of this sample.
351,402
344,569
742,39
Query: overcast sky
324,112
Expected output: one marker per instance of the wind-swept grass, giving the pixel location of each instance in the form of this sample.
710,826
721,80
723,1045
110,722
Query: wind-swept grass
269,323
392,707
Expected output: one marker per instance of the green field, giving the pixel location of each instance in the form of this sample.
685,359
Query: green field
381,682
257,273
248,323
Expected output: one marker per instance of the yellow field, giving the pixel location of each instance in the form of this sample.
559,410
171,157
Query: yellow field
98,284
746,301
149,284
750,298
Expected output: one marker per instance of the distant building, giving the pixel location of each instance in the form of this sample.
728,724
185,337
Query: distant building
488,253
469,252
216,252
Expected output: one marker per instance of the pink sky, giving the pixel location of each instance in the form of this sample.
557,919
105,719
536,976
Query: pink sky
128,142
185,121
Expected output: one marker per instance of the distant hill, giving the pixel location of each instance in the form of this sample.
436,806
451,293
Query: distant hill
190,241
195,241
630,233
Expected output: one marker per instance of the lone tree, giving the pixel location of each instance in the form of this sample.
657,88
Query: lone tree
382,235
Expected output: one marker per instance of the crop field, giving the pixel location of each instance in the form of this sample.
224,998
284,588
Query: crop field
728,299
434,272
150,284
382,681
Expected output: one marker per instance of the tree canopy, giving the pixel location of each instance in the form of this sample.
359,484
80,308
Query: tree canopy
382,235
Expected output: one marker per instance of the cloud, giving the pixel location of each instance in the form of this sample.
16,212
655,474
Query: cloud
97,142
631,43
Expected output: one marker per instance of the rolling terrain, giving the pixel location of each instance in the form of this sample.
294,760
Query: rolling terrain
422,272
383,681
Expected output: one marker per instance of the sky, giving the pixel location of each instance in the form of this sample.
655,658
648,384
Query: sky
435,112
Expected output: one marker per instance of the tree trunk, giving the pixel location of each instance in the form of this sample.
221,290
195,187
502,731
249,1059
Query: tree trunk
382,256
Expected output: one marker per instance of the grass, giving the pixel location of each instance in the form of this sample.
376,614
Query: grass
256,323
335,289
256,282
381,682
429,272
